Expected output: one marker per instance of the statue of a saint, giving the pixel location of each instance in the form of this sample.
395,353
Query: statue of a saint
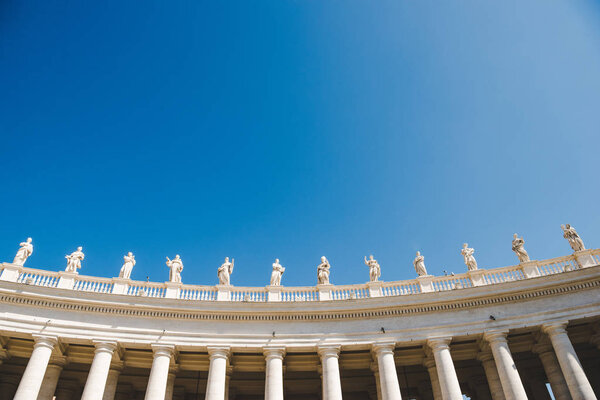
176,266
24,252
128,263
323,272
467,253
74,260
419,264
518,246
224,272
374,269
572,236
278,271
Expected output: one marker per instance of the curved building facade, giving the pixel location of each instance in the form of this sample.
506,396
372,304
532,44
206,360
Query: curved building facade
490,334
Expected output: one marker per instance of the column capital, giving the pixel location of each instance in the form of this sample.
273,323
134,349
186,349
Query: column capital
329,350
161,349
555,328
218,352
439,343
429,362
104,346
45,341
484,356
378,348
495,336
274,352
59,361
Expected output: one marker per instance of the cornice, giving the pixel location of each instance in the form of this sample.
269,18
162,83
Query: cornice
355,309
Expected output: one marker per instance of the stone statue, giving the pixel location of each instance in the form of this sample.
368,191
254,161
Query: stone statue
374,269
323,272
23,253
74,260
176,266
519,249
128,263
571,235
467,253
419,264
278,271
224,272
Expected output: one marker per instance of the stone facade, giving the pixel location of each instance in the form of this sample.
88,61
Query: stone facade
489,334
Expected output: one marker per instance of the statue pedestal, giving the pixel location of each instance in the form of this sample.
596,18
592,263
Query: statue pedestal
66,280
426,284
10,272
585,258
324,292
375,289
172,291
120,285
273,293
223,292
477,277
530,269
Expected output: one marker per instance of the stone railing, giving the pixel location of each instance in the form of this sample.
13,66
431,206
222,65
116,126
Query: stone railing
423,284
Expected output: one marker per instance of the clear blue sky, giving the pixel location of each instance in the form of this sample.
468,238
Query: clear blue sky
296,129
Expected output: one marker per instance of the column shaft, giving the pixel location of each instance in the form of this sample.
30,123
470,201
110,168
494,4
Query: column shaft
170,386
30,384
96,380
433,377
274,372
553,372
157,382
577,381
215,387
509,376
388,378
112,381
51,377
332,383
449,385
491,374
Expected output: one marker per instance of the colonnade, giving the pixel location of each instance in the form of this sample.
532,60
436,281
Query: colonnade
560,362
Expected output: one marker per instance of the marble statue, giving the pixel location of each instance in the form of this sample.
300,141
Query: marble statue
374,269
519,248
419,264
224,272
323,272
74,260
573,237
278,271
128,263
23,253
176,266
467,253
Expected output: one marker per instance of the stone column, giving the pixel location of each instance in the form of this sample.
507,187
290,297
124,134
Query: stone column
388,378
96,380
274,372
429,363
55,367
8,386
112,380
32,378
449,385
491,374
375,369
552,370
332,383
170,384
159,373
509,376
578,384
215,387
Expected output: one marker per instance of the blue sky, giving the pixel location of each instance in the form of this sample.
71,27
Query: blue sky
296,129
